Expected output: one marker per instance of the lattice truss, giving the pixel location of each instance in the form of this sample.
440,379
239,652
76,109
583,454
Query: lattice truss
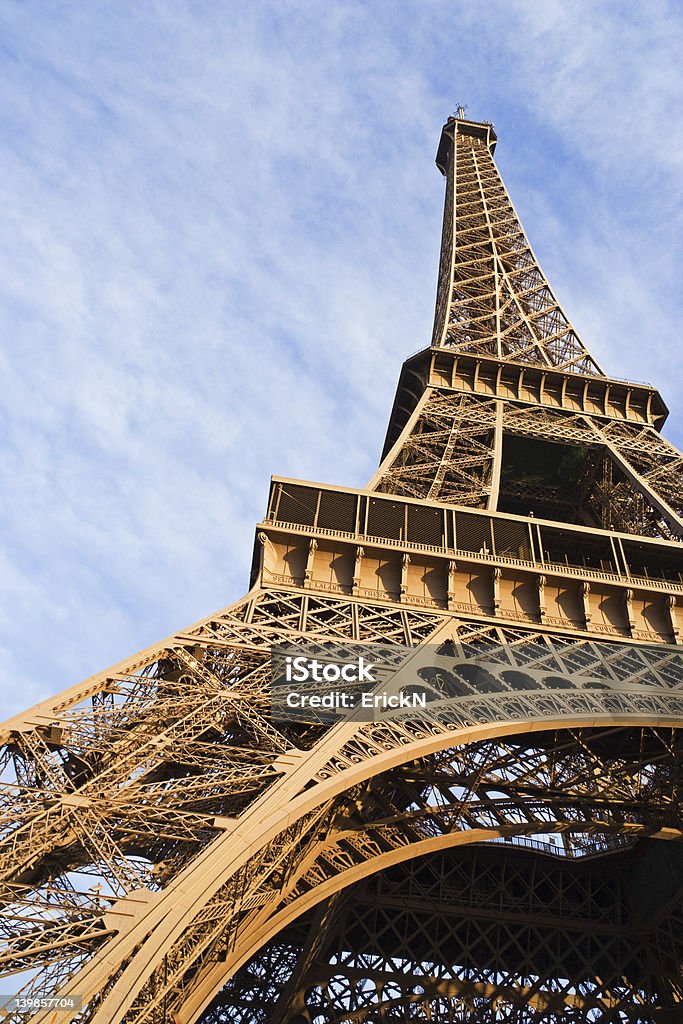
473,935
493,298
172,852
159,827
632,480
448,455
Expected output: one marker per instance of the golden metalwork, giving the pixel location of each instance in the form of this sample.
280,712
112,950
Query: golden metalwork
172,853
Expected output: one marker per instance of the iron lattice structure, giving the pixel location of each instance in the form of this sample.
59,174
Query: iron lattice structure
171,853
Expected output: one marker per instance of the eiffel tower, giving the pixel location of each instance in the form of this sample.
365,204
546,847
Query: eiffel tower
174,853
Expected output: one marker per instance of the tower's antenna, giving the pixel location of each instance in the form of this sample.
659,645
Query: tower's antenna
460,110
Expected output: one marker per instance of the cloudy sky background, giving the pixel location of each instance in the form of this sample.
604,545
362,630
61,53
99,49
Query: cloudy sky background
221,226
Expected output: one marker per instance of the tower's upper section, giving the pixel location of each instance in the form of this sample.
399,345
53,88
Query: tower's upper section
492,296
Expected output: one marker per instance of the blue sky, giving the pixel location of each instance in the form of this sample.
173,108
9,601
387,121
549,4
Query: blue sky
222,228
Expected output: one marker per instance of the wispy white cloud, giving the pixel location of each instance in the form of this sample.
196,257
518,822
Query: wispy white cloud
223,226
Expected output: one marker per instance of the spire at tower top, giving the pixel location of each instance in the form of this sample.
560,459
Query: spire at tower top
493,298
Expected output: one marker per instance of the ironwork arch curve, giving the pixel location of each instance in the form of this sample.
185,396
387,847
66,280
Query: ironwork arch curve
239,867
342,875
